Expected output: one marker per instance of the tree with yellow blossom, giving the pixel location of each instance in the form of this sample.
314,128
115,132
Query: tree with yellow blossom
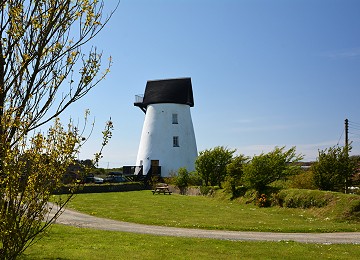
43,70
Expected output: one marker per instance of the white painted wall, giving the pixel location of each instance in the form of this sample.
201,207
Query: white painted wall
156,141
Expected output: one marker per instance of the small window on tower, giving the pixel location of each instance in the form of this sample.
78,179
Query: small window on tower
175,141
175,118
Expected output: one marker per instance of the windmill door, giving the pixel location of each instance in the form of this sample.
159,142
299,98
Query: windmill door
155,167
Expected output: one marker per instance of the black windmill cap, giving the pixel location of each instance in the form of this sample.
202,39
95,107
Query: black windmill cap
177,91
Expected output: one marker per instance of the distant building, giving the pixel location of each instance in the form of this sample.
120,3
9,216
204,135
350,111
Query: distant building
168,139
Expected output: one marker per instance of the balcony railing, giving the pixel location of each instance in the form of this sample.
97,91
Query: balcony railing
139,98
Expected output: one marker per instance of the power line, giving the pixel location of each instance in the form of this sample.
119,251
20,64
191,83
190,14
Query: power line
356,128
340,137
355,134
351,121
354,123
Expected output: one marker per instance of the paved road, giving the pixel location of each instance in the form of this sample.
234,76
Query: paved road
74,218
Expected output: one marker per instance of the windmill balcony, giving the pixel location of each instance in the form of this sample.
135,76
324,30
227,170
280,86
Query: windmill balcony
139,98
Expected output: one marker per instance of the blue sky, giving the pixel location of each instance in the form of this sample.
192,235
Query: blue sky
264,73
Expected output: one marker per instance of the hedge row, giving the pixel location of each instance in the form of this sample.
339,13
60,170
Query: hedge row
337,205
99,188
300,198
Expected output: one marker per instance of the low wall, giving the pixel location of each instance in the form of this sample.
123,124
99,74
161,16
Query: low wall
99,188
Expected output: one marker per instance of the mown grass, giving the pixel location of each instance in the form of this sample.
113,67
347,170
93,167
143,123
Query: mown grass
204,212
70,243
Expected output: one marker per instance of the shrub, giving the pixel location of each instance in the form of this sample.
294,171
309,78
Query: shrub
294,198
234,175
182,180
235,192
154,180
334,205
267,168
263,201
334,168
209,190
171,178
251,196
304,180
353,211
211,164
195,179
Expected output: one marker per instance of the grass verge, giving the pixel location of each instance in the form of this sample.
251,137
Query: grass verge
69,243
204,212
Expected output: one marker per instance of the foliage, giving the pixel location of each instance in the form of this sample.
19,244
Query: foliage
352,211
154,180
99,172
211,164
304,180
295,198
107,171
267,168
334,205
234,172
33,171
206,190
182,180
195,179
263,201
334,168
43,70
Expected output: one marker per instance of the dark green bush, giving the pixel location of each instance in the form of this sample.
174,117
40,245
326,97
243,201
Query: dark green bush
195,179
304,180
334,168
264,169
295,198
334,205
182,179
209,190
352,210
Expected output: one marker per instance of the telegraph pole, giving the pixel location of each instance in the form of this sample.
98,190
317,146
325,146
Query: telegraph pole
346,133
346,149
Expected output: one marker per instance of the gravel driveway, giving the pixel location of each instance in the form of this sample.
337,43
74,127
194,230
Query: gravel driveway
74,218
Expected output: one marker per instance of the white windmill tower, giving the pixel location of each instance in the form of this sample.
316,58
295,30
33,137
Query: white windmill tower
167,140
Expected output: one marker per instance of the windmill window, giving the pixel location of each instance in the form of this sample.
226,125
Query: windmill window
175,118
175,141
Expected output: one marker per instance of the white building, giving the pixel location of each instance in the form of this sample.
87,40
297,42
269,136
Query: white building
167,138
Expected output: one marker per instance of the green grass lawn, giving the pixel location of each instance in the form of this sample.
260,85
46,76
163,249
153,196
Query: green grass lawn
203,212
73,243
